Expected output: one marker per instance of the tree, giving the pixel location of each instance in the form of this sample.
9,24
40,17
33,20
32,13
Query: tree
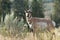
56,16
37,10
19,7
0,8
26,5
5,7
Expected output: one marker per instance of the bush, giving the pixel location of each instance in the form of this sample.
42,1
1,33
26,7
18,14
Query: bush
12,25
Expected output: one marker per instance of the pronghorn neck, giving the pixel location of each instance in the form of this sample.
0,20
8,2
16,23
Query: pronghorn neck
28,16
28,19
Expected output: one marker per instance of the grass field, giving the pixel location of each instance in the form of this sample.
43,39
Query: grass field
29,36
12,29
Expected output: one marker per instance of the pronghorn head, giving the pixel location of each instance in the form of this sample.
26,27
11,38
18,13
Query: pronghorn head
28,13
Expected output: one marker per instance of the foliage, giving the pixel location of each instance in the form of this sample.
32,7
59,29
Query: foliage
26,4
37,10
18,7
56,16
5,6
12,26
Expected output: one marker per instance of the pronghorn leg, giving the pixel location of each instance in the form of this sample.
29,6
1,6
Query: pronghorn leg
54,36
51,35
34,31
34,35
47,35
37,35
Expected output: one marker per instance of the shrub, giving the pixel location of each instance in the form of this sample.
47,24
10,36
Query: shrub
12,25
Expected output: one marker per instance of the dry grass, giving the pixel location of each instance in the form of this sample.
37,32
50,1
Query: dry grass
29,36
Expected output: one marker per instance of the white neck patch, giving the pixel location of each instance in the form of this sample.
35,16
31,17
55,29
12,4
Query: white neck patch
26,14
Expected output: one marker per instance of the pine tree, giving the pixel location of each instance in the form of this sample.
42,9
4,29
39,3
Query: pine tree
56,16
19,6
5,7
37,10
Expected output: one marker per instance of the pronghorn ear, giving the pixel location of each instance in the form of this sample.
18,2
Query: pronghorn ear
25,11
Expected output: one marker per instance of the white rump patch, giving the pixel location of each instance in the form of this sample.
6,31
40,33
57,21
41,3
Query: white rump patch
54,24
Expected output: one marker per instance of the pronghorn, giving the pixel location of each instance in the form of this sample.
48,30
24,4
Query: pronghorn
41,23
